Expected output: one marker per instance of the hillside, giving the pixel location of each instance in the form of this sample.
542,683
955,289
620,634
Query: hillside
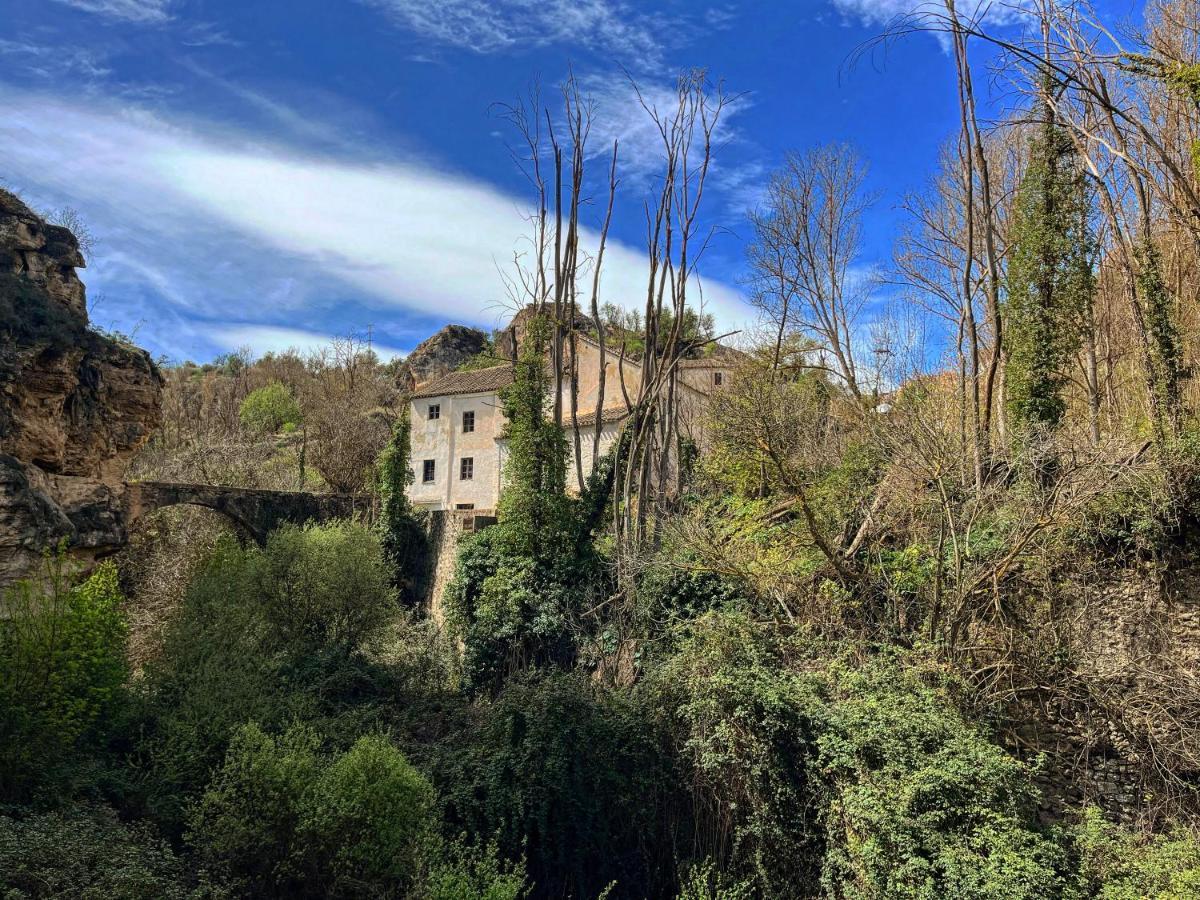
891,593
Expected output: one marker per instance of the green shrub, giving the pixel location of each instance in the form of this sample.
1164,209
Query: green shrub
268,409
62,666
1116,864
572,777
320,587
213,675
463,872
704,881
85,853
827,763
281,819
368,819
247,821
269,635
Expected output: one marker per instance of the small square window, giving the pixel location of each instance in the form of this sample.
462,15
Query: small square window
428,470
435,411
469,421
718,378
466,468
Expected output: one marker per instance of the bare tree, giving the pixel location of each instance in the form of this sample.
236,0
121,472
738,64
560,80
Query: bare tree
808,237
675,241
548,281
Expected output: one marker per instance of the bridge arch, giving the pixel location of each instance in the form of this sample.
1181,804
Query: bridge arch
256,512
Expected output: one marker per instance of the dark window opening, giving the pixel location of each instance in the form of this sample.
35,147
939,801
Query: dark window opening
428,470
464,505
469,421
466,468
718,378
435,411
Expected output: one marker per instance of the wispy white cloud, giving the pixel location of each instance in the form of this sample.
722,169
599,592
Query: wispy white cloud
55,61
274,339
619,115
220,226
884,12
151,12
489,26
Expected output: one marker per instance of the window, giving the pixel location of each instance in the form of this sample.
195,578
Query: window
464,505
466,468
718,378
428,470
469,421
435,411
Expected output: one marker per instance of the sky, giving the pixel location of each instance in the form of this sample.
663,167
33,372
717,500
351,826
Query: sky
272,174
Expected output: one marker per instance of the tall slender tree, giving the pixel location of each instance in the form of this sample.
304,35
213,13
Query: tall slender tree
1050,278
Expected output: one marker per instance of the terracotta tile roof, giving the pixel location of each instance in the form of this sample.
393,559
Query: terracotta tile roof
588,419
720,357
474,381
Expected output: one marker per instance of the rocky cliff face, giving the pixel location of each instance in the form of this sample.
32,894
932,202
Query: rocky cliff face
74,405
439,355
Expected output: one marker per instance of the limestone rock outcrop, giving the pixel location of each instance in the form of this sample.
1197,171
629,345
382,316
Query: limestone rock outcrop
75,405
439,355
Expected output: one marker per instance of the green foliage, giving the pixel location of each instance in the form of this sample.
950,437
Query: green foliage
400,535
62,666
246,822
1165,350
319,587
1050,280
854,770
1116,864
517,583
704,881
484,359
573,777
533,508
467,873
270,635
86,853
282,820
920,804
368,819
268,409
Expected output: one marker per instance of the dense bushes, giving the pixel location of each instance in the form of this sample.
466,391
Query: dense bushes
86,853
284,820
572,776
62,667
271,635
1117,864
822,763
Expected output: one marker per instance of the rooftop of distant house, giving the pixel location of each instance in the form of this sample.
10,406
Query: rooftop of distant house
471,381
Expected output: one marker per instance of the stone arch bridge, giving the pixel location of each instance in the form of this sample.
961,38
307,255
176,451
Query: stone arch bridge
255,512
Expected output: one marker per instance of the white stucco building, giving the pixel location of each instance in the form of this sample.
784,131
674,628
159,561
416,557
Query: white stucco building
458,448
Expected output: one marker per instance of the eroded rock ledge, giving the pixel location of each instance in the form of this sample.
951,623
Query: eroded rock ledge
74,405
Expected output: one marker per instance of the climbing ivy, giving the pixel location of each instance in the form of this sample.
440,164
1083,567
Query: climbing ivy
1049,280
400,534
1165,351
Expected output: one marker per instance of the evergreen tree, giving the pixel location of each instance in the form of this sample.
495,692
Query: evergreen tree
400,534
1049,279
534,509
517,583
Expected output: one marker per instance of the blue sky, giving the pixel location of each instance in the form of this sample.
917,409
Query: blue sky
271,174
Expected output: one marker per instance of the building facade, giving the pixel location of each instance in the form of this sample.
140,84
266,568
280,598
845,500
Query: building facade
458,445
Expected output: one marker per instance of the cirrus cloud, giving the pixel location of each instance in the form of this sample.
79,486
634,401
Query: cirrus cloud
205,230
